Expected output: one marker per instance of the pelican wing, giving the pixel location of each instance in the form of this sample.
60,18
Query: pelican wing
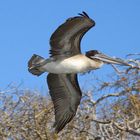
65,41
66,94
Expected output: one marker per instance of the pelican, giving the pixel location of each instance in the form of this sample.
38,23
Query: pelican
65,62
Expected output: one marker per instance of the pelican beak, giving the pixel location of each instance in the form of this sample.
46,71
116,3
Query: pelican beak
110,60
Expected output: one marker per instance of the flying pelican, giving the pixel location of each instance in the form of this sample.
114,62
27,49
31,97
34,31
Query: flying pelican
63,65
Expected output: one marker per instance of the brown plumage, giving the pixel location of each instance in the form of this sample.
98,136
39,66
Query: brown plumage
66,96
65,41
64,89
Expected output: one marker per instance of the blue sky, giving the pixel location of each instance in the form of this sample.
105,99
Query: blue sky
26,26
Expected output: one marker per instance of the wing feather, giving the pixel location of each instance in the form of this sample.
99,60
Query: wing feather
65,41
66,95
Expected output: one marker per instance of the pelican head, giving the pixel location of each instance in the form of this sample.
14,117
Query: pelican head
98,56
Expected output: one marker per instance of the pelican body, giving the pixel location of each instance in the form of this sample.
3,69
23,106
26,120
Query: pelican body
75,64
63,65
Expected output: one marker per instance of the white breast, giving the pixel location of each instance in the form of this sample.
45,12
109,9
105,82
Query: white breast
75,64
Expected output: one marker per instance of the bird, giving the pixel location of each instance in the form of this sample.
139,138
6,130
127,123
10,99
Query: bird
65,62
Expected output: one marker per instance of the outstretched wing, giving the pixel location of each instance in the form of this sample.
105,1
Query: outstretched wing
66,94
65,41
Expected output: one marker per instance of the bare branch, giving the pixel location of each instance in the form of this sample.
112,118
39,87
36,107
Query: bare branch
109,95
